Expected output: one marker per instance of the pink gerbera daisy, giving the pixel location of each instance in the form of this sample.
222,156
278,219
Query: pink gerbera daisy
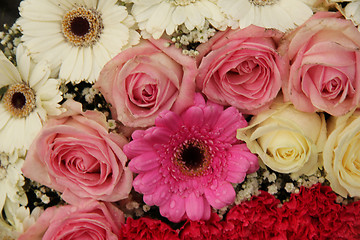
186,163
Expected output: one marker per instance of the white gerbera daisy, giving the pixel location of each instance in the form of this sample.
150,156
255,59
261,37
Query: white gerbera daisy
279,14
28,95
77,37
352,11
155,17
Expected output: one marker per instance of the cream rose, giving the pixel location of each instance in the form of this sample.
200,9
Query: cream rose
341,154
286,140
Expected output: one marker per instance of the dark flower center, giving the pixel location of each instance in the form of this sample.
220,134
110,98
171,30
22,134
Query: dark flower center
19,100
82,26
79,26
193,157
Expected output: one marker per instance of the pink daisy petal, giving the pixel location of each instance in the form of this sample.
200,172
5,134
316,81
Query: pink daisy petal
169,120
194,207
146,183
221,196
159,197
174,209
229,121
159,136
132,150
207,210
144,162
240,162
211,114
199,100
193,116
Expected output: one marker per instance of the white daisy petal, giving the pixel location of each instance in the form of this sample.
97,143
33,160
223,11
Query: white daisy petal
69,63
194,19
39,75
42,9
279,14
179,15
4,116
8,72
155,17
23,62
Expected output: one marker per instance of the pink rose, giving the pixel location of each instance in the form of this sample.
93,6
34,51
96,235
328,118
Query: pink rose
325,65
144,80
75,154
241,68
89,220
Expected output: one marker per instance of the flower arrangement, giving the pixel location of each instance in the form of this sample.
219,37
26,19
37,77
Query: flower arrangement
180,119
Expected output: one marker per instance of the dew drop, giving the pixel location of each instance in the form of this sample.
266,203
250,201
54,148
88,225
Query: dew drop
172,204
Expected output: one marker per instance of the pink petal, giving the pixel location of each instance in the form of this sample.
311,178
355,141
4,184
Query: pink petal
144,162
194,116
211,113
240,162
137,147
147,182
229,121
174,209
159,196
194,207
207,210
158,136
169,120
221,196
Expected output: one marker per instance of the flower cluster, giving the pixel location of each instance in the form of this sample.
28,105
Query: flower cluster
310,214
180,119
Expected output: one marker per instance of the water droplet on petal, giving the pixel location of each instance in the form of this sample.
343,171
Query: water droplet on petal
172,204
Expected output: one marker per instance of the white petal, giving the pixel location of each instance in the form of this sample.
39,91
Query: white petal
8,72
39,74
23,62
68,64
4,116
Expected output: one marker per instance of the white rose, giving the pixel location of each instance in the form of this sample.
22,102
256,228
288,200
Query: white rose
342,154
285,139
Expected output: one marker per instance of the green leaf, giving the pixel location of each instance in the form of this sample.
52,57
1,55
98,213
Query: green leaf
3,91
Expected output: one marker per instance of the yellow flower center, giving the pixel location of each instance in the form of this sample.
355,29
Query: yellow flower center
82,26
19,100
263,2
182,2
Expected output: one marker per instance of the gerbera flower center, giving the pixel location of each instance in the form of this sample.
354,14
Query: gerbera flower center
193,157
263,2
19,100
82,26
182,2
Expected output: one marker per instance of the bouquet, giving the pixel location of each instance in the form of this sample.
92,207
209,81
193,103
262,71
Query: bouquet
180,119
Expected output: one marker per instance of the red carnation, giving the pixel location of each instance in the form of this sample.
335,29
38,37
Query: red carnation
259,218
312,213
211,229
147,228
349,220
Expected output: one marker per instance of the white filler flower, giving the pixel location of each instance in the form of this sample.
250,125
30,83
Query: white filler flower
158,16
279,14
77,37
27,97
15,217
